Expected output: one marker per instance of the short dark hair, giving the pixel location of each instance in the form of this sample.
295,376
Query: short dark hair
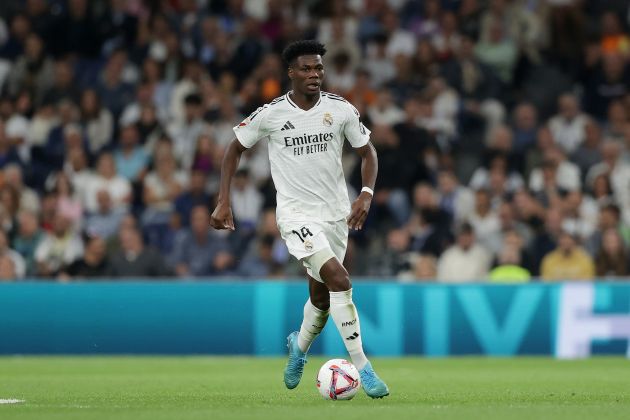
193,99
299,48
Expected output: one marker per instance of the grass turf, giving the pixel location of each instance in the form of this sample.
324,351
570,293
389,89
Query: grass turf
247,388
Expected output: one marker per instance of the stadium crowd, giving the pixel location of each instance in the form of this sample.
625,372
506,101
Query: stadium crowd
502,128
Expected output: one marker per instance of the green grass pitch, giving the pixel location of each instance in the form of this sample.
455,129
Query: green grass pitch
156,388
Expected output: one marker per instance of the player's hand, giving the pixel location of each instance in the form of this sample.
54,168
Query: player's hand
359,212
222,217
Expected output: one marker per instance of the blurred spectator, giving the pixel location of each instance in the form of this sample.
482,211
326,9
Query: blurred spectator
63,87
556,172
205,155
77,169
9,207
617,121
399,40
509,225
28,197
18,125
8,154
105,221
117,27
199,251
447,40
525,127
7,268
63,135
33,70
607,83
186,131
59,248
27,239
499,158
19,266
380,67
509,269
107,178
457,200
618,172
68,204
246,200
568,126
130,157
196,195
568,261
75,31
484,219
609,217
161,187
93,264
19,29
465,261
588,154
498,51
612,259
384,111
546,238
134,260
424,267
476,82
96,120
261,262
115,92
580,214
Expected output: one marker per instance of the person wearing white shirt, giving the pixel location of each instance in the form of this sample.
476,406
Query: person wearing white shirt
568,126
465,261
306,130
106,178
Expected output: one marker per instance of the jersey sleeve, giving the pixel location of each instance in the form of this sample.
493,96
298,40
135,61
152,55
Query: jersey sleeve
252,128
354,130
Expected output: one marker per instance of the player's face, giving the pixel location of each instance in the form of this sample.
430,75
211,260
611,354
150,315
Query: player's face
307,74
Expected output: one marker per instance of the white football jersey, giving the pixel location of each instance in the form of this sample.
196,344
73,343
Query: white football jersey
305,153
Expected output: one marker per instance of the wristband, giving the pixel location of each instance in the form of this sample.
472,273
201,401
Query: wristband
368,190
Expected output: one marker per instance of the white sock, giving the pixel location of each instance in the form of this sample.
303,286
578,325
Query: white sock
346,318
312,324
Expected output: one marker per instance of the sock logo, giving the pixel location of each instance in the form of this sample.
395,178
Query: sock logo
349,323
353,336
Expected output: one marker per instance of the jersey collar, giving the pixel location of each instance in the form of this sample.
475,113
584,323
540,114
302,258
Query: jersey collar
293,104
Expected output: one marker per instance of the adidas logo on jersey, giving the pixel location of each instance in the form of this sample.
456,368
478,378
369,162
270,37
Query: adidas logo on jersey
288,126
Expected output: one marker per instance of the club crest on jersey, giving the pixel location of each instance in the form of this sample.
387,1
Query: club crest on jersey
328,119
308,245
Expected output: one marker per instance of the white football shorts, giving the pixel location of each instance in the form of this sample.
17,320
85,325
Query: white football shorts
304,239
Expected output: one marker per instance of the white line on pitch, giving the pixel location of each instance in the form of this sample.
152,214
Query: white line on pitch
11,401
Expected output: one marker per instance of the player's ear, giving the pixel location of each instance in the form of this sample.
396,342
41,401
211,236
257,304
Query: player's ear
290,72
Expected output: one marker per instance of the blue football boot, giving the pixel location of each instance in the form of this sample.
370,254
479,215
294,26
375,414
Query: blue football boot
372,384
295,364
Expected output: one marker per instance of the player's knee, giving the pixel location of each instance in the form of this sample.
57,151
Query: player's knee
338,281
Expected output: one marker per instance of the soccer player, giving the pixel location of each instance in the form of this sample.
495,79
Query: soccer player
306,129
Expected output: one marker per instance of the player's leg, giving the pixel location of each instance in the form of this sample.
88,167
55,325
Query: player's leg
306,242
315,313
346,318
315,317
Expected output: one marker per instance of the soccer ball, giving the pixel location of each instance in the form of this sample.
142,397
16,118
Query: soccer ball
338,379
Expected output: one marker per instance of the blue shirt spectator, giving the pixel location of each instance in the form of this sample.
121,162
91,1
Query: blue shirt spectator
131,159
105,222
195,196
199,251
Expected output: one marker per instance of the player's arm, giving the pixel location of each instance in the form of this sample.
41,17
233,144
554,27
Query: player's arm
369,170
222,215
